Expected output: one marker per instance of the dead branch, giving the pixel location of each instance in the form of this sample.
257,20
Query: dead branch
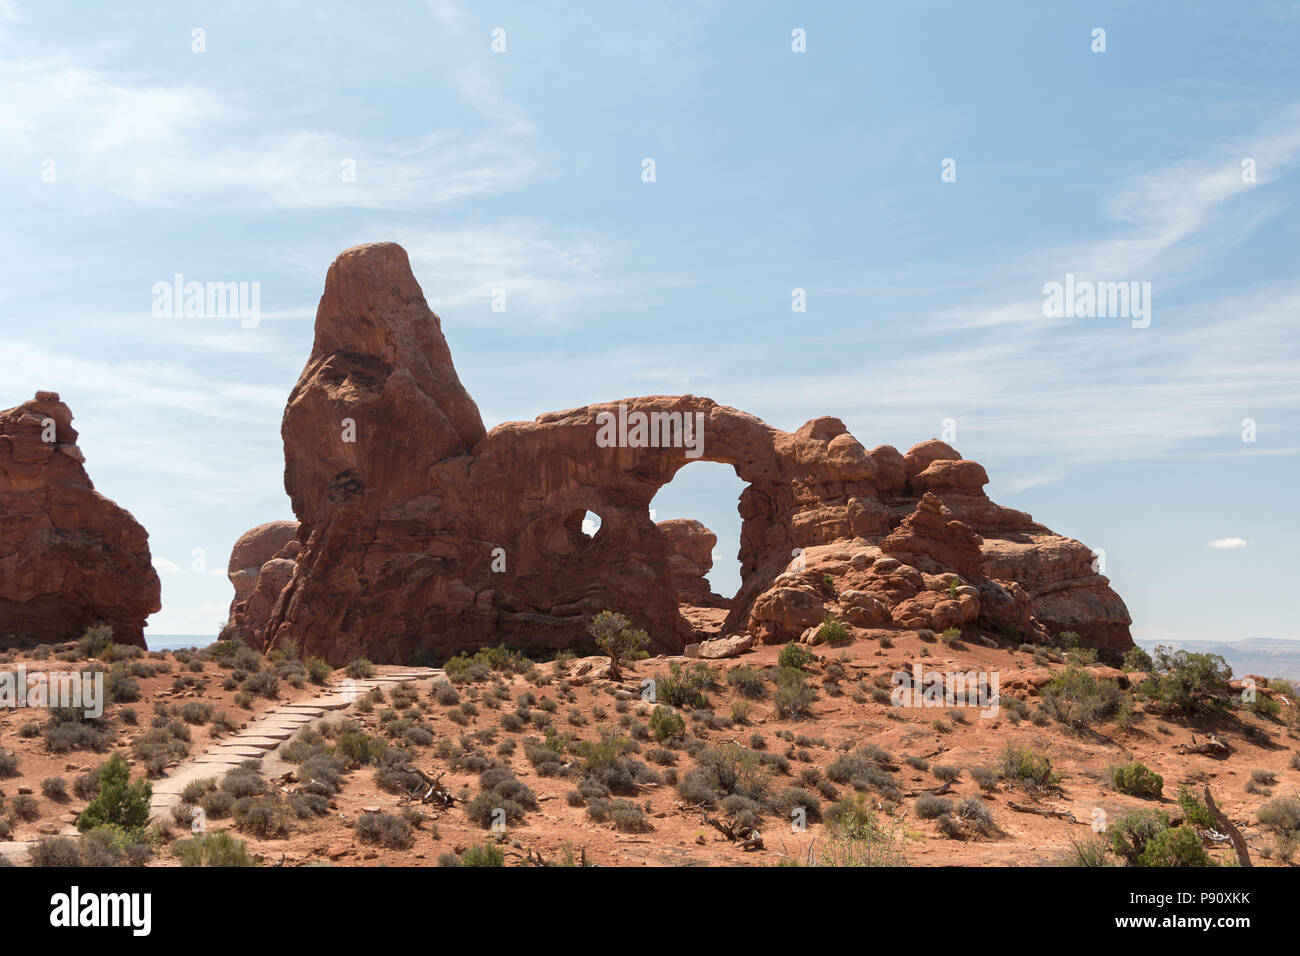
747,836
1042,811
937,791
1238,841
1213,747
434,791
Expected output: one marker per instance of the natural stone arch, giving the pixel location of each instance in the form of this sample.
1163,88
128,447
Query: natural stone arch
402,528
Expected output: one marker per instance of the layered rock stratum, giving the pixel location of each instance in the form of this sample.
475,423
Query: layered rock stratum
69,557
422,533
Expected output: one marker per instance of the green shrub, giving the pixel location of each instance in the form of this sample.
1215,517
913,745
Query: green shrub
445,693
266,817
627,817
216,848
196,712
69,729
499,789
55,851
264,684
747,682
1136,659
120,802
666,725
385,829
1282,818
1187,682
486,854
857,838
721,771
1195,812
976,814
1137,780
119,685
24,807
794,655
1026,766
318,669
1077,699
244,781
86,786
928,806
686,687
55,788
794,695
833,632
95,640
1176,846
1091,852
1130,834
359,669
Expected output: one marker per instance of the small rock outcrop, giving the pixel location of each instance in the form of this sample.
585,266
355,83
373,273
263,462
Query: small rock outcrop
261,564
69,557
423,533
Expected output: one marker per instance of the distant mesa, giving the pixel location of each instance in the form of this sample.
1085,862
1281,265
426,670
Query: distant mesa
69,557
420,532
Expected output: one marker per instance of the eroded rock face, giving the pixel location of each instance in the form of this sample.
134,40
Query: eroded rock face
421,531
691,560
69,557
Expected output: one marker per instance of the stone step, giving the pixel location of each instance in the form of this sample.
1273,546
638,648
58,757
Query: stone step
333,703
239,750
268,729
260,742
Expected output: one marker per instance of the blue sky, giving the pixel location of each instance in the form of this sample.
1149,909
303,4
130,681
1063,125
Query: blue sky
522,170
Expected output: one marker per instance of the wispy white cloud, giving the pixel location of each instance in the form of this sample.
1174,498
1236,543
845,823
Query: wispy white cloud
541,273
1170,222
448,14
26,368
187,146
1228,544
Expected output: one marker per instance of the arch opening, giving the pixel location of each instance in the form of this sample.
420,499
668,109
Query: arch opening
698,510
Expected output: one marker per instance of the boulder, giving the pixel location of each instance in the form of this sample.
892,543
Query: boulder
721,647
920,456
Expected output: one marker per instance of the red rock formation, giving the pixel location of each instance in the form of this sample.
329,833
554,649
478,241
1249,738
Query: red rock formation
261,564
69,557
422,532
691,560
931,539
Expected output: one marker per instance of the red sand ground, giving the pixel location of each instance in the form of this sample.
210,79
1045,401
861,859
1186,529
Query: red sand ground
844,720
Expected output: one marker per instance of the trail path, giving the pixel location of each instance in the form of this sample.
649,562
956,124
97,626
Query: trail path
261,740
